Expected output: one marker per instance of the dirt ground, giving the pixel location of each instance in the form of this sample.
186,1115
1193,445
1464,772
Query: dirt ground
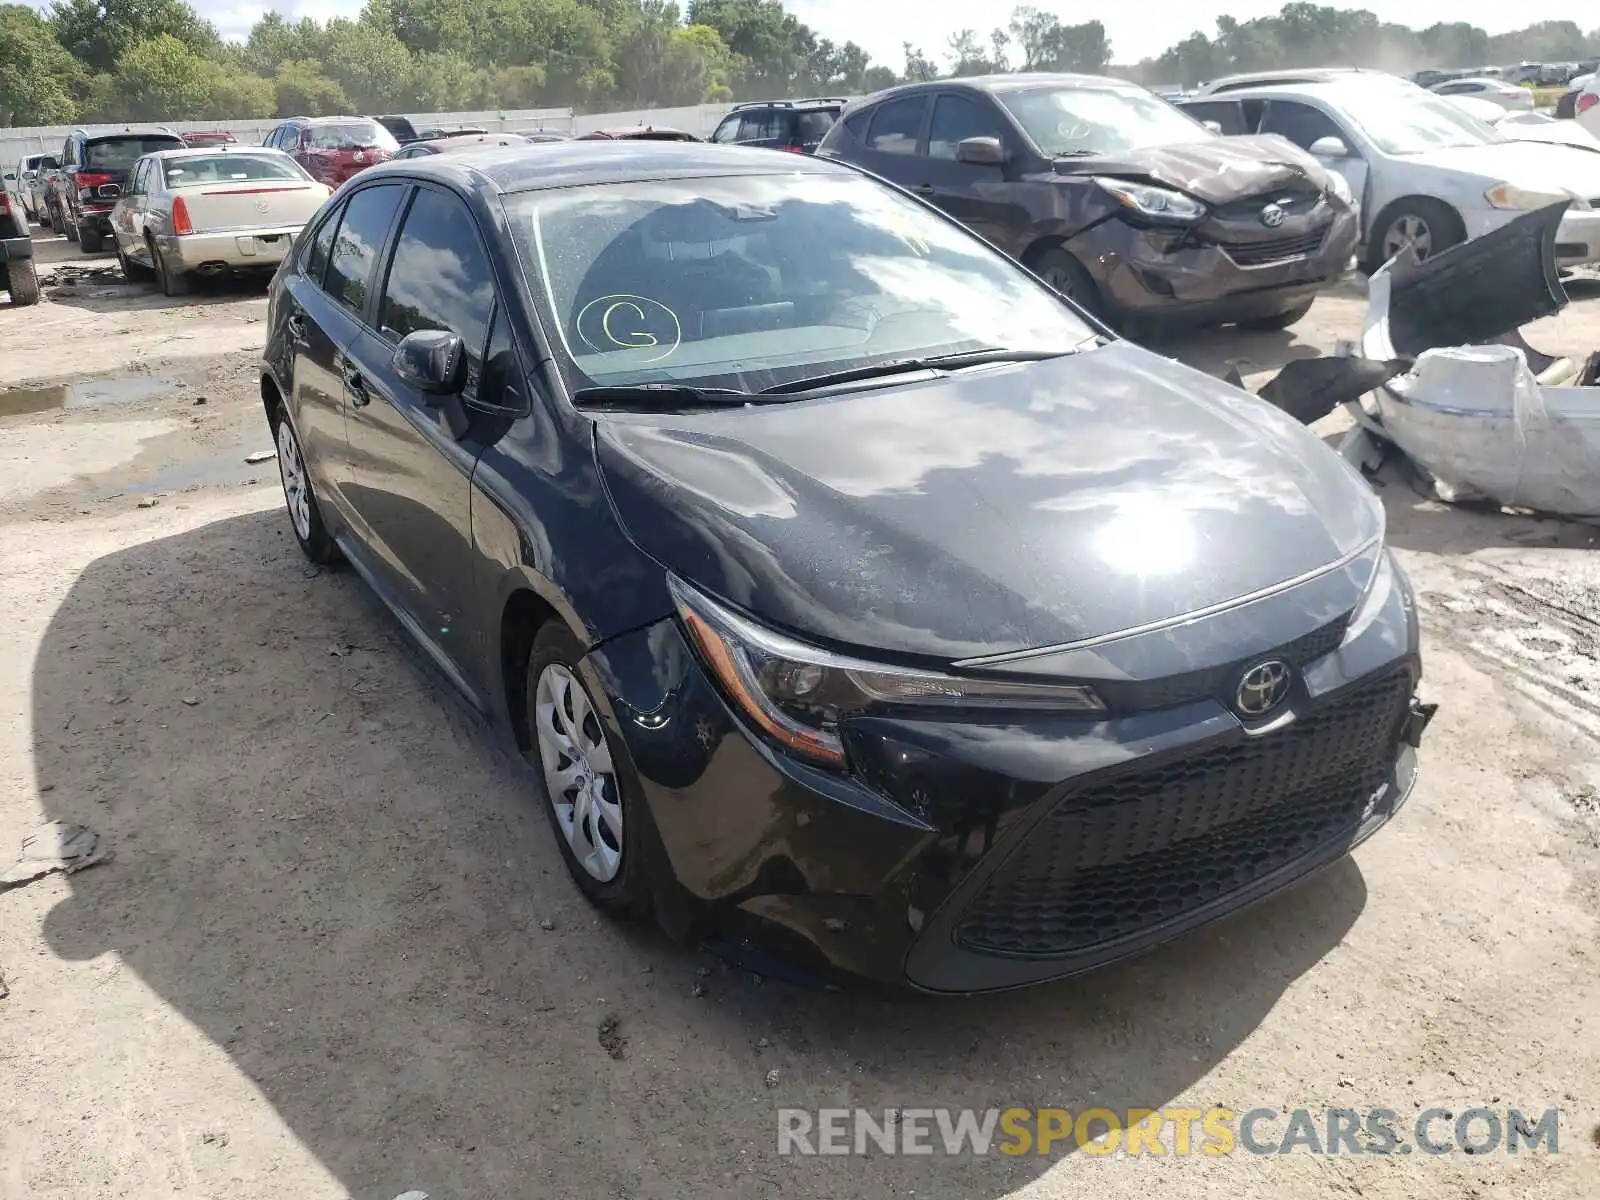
336,954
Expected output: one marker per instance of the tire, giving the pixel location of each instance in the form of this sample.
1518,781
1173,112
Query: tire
1277,321
92,240
1066,275
299,497
22,281
68,227
1431,223
173,283
586,784
52,218
133,272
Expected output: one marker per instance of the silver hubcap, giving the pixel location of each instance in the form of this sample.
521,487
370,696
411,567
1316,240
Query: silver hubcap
577,772
1408,230
295,489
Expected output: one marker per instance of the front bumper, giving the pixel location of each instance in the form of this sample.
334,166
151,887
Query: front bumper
1189,277
1577,239
264,248
974,854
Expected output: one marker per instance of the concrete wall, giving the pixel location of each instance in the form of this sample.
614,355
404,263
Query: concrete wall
698,119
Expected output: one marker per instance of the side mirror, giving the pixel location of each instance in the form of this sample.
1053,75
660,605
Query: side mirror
432,361
1329,147
981,151
1214,126
12,176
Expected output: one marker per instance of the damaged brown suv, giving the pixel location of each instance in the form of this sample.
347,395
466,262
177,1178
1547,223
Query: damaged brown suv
1113,196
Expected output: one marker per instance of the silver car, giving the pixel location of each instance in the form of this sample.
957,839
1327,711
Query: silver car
208,210
26,182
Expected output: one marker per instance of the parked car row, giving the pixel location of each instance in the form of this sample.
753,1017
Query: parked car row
850,592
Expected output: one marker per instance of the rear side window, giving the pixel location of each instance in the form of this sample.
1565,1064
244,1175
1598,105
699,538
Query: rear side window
366,222
440,277
857,125
314,257
896,126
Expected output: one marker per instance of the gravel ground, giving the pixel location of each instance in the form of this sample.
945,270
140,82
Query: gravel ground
336,954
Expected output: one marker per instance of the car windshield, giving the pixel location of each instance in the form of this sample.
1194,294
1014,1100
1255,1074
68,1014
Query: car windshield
749,282
230,168
118,154
352,135
1414,124
1098,120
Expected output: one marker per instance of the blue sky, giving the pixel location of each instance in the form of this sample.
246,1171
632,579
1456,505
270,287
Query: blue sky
1136,32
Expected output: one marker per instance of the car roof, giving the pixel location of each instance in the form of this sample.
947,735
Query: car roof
113,135
541,165
1327,89
1019,82
1243,79
466,141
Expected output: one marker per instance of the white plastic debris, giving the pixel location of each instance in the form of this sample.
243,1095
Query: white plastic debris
56,846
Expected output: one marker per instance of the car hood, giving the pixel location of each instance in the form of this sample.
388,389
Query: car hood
1215,170
1535,166
991,510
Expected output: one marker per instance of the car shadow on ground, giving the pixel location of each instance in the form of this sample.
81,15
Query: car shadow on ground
332,870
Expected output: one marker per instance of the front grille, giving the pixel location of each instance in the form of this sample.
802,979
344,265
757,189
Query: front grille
1217,683
1135,852
1259,254
1293,202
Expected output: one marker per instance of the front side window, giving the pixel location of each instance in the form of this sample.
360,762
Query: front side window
439,277
1299,123
896,126
727,131
956,118
1088,119
718,282
366,222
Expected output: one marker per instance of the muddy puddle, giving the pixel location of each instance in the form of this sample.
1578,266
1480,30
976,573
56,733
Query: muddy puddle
91,393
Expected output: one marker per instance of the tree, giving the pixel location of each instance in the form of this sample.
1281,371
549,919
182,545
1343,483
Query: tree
919,66
38,78
301,90
98,32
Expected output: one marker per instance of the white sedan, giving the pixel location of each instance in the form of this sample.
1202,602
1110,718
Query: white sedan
1496,91
208,210
1528,126
1426,174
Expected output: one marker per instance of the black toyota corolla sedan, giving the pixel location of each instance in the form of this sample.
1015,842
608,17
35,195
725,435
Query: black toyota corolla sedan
846,587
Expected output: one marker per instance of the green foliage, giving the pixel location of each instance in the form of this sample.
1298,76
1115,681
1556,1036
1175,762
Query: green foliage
125,60
38,79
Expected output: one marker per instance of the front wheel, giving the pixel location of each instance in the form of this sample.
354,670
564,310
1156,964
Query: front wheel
598,824
1067,275
305,517
69,226
1427,226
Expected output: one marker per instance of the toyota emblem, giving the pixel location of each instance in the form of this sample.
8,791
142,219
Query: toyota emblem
1272,215
1262,688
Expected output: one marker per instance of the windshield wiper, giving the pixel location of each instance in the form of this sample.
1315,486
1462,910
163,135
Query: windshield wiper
660,396
903,366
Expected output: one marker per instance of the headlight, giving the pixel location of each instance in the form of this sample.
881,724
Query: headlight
1159,204
1509,195
797,694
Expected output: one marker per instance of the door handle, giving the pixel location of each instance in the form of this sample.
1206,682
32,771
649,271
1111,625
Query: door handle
923,189
357,388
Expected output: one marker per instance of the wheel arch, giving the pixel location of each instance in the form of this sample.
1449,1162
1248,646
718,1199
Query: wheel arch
522,615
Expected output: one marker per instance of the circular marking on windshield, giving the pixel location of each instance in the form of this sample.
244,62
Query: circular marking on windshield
623,322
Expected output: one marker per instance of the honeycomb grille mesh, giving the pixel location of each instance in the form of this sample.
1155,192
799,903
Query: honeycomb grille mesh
1137,852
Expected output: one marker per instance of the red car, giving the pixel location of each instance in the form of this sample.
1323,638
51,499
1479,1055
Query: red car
333,149
208,137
